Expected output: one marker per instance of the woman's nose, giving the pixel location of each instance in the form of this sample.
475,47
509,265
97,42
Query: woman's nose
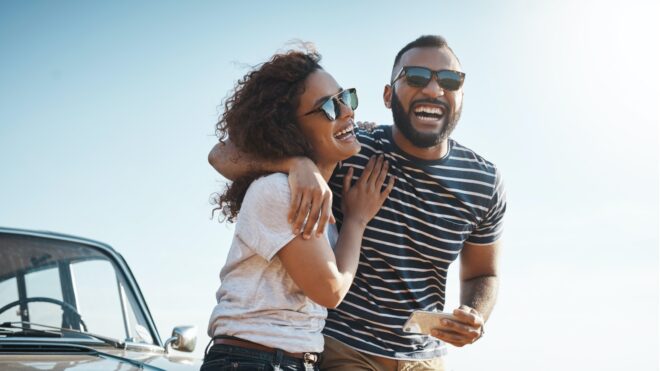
345,109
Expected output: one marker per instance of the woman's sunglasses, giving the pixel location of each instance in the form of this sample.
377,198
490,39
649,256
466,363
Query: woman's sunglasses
331,107
419,77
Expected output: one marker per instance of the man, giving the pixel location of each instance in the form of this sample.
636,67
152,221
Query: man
447,202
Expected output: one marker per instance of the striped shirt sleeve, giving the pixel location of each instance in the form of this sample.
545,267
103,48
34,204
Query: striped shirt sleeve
489,230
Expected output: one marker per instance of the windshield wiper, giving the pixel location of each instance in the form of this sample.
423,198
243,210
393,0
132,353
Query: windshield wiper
8,329
27,329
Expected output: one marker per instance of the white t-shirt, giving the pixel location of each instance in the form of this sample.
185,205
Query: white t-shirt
257,299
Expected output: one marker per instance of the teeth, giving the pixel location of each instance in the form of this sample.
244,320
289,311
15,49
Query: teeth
429,110
347,130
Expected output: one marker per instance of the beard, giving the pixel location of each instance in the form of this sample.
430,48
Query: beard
417,138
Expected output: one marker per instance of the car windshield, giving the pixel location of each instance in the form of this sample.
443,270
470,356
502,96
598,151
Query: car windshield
70,285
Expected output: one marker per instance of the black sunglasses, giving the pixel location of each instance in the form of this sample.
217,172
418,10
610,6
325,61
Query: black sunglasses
419,77
331,108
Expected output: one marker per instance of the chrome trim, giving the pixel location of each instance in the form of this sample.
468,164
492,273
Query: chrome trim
138,364
183,339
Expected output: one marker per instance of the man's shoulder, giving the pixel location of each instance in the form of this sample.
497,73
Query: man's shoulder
375,140
463,156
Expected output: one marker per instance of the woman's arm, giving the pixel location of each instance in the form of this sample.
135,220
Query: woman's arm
324,276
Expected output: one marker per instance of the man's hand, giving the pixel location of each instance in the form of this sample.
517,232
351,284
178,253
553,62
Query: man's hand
466,330
311,198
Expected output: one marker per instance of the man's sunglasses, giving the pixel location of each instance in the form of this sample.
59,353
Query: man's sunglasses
419,77
331,107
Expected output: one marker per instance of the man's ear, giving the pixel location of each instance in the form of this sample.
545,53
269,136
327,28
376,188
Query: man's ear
387,96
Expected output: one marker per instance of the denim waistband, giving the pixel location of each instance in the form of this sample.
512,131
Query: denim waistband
278,356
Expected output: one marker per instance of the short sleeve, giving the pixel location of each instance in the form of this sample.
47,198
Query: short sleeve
262,221
491,227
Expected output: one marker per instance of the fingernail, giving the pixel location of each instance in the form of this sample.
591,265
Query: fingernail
296,231
306,236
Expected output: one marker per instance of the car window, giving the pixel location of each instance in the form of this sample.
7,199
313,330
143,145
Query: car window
9,294
97,294
71,285
44,284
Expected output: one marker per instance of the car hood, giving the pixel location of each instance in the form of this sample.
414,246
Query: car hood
95,359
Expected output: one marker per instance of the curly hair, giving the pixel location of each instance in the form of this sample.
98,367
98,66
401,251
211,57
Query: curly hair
260,118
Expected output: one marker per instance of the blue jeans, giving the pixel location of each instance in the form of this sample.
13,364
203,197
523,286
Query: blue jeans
231,357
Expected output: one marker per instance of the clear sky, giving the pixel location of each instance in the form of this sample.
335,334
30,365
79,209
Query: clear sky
107,113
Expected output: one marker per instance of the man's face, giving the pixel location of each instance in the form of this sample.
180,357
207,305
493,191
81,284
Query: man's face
425,115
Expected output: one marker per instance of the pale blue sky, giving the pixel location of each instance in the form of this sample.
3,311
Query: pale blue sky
107,112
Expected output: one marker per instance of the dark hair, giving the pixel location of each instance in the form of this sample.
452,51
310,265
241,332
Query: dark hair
260,118
425,41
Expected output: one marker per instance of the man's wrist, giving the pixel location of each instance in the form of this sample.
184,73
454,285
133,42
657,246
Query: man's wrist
291,163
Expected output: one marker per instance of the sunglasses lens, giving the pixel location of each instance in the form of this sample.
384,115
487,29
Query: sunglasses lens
349,98
450,80
330,109
418,77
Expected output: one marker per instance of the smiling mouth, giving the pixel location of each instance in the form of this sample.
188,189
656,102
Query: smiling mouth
429,113
344,133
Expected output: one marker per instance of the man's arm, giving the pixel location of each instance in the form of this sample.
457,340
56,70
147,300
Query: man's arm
231,163
310,194
479,281
479,285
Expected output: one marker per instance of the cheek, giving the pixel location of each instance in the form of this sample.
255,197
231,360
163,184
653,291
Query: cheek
307,132
458,100
318,139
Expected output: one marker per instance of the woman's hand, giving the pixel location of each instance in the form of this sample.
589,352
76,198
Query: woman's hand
367,126
323,274
361,202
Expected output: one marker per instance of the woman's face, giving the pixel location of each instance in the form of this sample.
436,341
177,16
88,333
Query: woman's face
331,141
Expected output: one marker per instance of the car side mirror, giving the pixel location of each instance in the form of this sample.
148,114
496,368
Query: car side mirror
183,339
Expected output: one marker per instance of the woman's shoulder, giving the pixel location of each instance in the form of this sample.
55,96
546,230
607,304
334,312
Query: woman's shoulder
272,186
277,180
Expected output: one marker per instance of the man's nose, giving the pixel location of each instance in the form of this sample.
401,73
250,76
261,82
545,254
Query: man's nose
433,89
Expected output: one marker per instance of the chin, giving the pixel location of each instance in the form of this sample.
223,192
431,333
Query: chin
346,154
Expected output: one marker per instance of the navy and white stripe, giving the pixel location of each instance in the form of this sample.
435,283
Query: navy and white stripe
435,207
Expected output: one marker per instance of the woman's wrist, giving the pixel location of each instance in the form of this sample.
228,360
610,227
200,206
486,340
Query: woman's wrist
356,220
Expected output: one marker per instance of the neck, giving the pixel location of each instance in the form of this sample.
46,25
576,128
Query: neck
431,153
326,170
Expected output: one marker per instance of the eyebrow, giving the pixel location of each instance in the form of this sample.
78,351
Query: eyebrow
322,99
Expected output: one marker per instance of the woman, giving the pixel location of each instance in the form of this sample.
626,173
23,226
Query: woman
276,285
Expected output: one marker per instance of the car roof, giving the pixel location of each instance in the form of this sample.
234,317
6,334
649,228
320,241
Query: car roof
26,250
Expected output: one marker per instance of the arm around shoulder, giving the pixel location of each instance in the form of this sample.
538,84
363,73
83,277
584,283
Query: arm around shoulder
232,163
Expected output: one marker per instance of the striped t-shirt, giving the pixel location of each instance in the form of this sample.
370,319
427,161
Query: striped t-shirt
435,206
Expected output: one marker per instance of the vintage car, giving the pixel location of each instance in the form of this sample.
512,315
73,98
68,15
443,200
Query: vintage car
69,303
